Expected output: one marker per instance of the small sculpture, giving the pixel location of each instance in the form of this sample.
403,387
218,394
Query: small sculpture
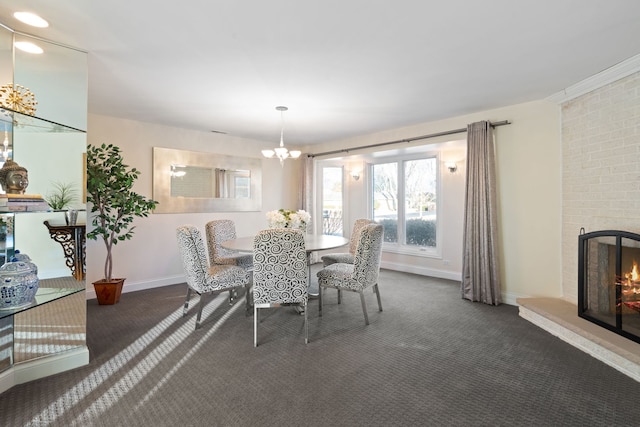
14,178
18,98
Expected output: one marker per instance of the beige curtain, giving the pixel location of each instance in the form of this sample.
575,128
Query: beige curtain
220,183
480,263
308,201
305,194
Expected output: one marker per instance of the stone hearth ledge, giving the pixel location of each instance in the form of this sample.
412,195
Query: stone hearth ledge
560,318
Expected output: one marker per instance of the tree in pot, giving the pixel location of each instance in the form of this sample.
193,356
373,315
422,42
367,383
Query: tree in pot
114,206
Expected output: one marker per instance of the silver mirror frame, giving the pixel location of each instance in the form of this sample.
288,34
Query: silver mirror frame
164,158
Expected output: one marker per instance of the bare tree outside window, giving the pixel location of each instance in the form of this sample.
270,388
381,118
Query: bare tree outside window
385,198
412,222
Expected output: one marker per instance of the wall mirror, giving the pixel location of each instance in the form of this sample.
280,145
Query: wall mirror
193,181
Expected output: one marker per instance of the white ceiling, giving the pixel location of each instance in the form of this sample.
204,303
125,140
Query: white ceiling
344,68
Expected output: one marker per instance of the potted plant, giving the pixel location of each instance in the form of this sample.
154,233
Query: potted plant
62,195
114,206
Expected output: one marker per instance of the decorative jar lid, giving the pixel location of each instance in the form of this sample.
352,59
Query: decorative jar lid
19,256
15,268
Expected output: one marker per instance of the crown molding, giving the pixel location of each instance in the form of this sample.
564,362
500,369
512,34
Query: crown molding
611,74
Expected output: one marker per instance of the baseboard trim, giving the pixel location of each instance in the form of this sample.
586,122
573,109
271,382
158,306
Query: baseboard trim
140,286
509,299
423,271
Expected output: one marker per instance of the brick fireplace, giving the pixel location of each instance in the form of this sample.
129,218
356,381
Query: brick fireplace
600,191
600,168
609,281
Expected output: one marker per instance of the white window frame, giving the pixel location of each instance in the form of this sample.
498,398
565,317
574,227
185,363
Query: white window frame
400,248
320,165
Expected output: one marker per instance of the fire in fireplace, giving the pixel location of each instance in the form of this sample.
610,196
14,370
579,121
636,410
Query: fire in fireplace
609,281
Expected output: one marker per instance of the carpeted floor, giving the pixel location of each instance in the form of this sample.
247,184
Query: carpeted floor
430,358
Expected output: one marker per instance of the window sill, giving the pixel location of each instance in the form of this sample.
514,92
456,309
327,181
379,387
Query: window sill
413,251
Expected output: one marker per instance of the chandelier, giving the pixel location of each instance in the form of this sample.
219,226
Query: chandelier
281,152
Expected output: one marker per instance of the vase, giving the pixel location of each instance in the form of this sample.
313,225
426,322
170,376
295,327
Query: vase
108,292
18,285
71,217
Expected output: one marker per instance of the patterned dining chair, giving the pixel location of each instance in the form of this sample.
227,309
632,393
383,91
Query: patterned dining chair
347,257
360,275
201,278
219,231
280,274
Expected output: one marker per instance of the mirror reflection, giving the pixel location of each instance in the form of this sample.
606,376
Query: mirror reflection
190,181
194,181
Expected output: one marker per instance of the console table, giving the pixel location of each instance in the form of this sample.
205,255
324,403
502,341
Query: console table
74,243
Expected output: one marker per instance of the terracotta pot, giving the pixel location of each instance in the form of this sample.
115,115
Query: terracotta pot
108,292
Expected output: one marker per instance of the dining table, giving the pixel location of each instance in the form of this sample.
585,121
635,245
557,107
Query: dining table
312,243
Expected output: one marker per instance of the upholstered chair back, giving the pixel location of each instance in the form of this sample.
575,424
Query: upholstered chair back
355,233
347,257
219,231
280,273
366,267
194,260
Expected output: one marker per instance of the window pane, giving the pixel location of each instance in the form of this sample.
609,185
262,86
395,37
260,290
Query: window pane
332,201
385,199
420,202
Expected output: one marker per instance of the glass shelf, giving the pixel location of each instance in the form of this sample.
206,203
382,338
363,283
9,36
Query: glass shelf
27,123
43,296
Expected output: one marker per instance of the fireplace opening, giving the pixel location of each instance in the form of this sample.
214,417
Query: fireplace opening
609,281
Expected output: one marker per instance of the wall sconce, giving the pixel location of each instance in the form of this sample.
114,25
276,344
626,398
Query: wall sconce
355,174
452,166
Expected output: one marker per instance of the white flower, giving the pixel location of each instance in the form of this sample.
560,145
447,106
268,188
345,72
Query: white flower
305,217
276,219
284,218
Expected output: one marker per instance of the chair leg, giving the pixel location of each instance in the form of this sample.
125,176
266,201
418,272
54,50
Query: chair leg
186,302
319,300
339,296
364,308
306,324
200,307
377,291
248,299
233,294
255,326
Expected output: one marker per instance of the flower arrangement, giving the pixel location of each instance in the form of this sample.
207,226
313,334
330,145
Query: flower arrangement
285,218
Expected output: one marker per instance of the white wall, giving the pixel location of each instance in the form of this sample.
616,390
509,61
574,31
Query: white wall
150,258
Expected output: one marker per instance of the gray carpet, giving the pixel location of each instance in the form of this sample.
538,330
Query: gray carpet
430,358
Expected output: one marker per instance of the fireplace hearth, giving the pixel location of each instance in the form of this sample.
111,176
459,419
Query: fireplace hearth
609,281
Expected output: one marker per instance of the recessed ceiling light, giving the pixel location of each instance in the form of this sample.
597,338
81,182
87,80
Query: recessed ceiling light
31,19
28,47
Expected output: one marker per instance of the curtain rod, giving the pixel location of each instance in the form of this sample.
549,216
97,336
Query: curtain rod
406,140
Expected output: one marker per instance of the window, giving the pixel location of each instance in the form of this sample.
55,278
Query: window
332,196
404,199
